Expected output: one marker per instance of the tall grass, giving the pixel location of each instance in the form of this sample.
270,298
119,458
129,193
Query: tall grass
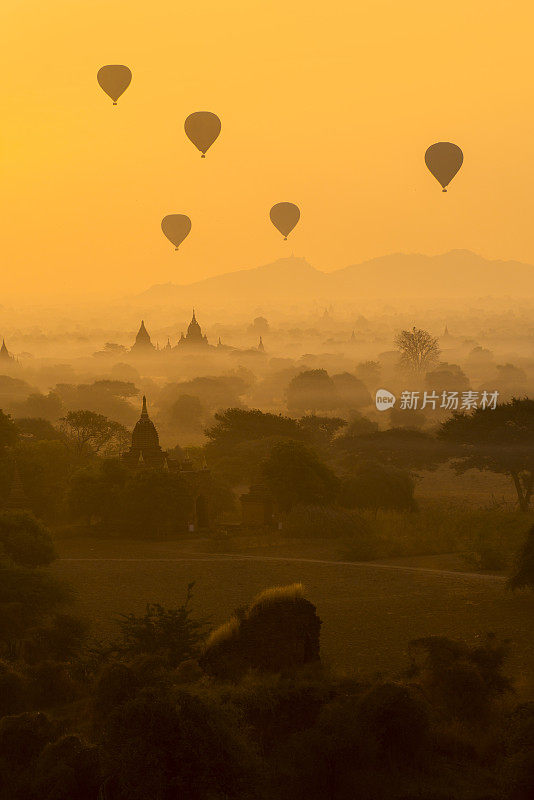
487,538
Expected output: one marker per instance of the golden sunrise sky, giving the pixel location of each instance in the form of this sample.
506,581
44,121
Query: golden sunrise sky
327,105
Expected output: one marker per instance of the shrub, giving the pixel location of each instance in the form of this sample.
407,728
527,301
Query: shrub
463,680
275,707
394,724
523,576
26,597
520,728
172,633
68,769
13,691
523,783
115,685
320,522
361,746
188,748
50,684
25,540
60,640
22,737
377,486
279,630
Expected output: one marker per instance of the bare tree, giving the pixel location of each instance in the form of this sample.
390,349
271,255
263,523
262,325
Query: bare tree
419,350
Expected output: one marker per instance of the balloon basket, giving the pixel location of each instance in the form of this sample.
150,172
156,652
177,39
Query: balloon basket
203,155
114,104
443,190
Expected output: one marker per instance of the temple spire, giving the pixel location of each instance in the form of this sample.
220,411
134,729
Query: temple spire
144,412
142,340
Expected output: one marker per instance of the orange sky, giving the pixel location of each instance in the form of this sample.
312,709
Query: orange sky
328,105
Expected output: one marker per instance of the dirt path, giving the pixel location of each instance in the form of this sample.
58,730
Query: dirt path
284,559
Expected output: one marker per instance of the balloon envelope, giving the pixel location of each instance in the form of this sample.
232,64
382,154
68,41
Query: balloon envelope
202,128
444,159
114,80
176,227
284,217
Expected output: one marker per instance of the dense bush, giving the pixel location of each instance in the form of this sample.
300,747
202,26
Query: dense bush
22,737
279,630
394,723
50,683
13,690
523,576
172,633
27,597
59,640
25,540
163,750
115,685
464,681
147,503
377,486
326,522
68,769
267,720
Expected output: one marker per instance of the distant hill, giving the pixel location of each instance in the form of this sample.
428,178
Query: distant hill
456,274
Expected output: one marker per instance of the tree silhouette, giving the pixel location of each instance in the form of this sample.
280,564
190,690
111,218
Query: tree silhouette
295,475
523,575
311,391
500,440
419,351
89,432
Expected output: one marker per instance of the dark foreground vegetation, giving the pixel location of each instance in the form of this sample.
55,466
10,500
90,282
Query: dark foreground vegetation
171,709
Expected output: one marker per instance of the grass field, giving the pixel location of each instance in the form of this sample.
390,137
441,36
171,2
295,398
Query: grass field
369,612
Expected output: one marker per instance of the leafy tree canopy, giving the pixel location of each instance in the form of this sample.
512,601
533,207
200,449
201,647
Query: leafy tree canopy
89,433
377,486
500,440
295,475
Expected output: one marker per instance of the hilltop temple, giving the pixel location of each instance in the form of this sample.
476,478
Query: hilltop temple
145,452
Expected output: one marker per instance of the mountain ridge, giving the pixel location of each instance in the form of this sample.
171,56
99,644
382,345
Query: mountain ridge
456,273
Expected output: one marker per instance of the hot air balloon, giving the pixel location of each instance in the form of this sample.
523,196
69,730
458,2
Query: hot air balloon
114,80
176,227
202,128
444,159
284,217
